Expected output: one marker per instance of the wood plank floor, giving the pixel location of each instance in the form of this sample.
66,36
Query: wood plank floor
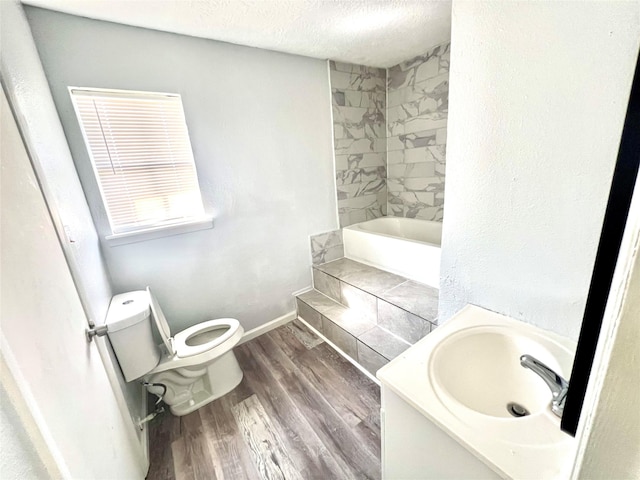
301,412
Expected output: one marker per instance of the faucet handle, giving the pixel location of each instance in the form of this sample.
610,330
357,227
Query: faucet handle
558,385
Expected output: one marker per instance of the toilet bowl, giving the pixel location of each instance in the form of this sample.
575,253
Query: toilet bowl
189,369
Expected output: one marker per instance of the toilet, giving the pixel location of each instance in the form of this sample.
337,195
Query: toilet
189,369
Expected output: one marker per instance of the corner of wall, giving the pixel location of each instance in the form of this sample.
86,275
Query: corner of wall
28,445
333,139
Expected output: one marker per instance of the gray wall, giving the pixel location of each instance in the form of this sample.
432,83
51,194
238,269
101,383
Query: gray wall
360,141
259,123
535,118
417,106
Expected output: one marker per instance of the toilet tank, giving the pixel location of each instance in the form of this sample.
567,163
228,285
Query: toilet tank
129,329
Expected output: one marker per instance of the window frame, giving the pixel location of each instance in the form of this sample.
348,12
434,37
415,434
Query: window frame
150,230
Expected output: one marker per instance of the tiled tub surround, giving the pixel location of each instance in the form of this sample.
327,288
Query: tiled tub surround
360,141
326,247
372,315
405,246
417,108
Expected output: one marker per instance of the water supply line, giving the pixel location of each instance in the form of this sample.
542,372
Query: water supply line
149,417
158,409
159,395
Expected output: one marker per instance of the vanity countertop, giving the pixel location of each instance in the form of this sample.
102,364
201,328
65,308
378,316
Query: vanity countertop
528,447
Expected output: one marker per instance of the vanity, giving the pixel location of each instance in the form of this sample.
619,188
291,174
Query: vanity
459,404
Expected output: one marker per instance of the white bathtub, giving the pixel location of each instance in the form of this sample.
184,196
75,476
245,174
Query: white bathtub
404,246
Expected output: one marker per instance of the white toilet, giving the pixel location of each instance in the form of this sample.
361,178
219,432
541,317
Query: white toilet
190,369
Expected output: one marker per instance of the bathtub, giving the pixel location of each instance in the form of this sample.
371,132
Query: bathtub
404,246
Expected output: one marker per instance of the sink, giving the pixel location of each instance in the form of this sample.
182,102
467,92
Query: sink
479,369
465,378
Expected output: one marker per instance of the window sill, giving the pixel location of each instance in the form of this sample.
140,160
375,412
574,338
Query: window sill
158,232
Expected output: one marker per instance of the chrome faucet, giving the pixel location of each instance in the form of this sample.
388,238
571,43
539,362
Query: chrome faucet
556,383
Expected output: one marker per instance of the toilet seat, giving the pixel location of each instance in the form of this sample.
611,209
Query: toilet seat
183,349
178,345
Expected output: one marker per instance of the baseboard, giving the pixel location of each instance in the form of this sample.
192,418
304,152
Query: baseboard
302,290
264,328
286,318
337,349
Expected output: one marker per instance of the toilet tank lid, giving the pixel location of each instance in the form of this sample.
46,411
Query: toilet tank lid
127,309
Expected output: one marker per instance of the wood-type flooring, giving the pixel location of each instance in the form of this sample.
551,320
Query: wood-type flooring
301,412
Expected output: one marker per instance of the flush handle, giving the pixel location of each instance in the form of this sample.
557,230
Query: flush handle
94,331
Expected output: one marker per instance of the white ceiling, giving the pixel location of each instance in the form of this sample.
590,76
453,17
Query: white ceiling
379,33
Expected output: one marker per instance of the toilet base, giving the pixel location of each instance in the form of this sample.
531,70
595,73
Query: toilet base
222,375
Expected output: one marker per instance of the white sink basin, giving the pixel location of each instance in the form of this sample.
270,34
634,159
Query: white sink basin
479,368
463,376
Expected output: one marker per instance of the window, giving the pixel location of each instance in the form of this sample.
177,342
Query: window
139,147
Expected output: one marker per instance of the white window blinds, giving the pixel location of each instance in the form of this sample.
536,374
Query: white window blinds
142,158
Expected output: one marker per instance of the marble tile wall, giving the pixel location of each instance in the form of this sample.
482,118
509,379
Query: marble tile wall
360,141
326,247
417,108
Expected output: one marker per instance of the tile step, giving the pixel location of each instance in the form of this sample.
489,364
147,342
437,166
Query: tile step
347,281
376,308
364,340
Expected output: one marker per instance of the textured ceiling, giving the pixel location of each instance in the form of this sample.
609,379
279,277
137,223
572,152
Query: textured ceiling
379,33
